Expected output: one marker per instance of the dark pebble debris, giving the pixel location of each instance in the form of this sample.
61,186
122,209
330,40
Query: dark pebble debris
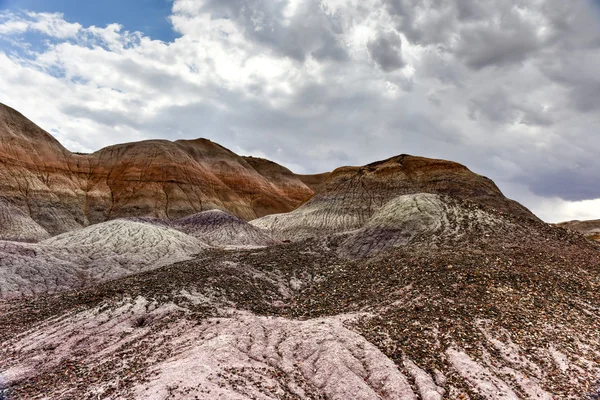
418,299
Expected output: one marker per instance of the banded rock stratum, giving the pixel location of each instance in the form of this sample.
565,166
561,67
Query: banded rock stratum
62,191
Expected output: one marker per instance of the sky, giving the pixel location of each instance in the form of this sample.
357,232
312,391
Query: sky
511,89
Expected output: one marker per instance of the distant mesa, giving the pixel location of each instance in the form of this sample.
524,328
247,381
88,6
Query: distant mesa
590,229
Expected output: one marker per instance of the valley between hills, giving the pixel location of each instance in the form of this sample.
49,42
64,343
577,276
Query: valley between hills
181,270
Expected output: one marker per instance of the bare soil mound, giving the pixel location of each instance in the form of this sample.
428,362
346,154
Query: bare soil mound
218,228
90,255
428,218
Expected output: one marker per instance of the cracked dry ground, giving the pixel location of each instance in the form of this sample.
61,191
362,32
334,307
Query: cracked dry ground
479,319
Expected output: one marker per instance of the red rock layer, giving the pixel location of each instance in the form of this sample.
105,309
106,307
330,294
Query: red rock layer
62,191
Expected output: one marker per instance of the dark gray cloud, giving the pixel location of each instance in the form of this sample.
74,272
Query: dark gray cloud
310,31
423,22
482,33
568,183
386,51
501,107
506,42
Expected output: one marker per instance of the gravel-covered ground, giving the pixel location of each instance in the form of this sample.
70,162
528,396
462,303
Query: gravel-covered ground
489,317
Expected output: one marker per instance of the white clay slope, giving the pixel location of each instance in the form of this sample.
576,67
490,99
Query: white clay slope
312,219
94,254
245,356
30,268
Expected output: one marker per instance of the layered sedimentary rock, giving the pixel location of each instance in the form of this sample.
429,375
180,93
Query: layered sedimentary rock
293,185
314,181
62,191
352,195
36,177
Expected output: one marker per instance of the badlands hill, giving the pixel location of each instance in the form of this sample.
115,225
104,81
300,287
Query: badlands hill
62,191
408,278
589,229
351,196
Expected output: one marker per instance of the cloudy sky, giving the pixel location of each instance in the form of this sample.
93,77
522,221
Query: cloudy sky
509,88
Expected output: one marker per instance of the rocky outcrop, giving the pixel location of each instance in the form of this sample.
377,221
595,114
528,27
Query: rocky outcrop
352,195
62,191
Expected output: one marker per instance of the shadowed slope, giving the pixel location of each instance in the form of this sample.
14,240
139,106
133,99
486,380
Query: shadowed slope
17,226
286,179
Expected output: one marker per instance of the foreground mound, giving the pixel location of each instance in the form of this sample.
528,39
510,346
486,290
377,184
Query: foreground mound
15,225
428,218
218,228
137,240
351,196
489,320
94,254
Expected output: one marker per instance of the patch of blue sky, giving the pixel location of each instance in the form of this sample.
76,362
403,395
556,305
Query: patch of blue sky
25,44
151,17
